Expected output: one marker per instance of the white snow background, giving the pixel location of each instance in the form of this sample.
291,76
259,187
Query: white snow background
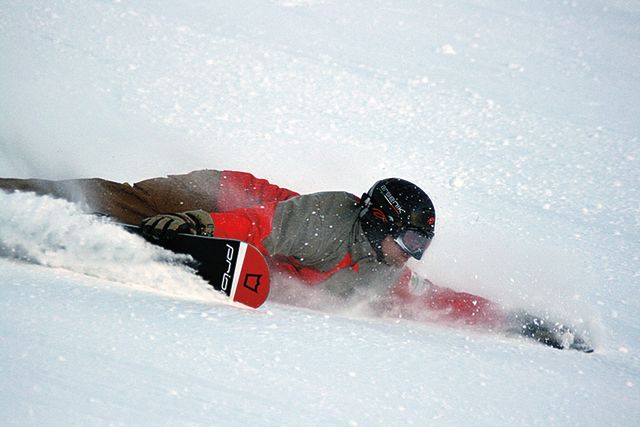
519,118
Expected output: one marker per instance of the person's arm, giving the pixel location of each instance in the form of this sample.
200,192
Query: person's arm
422,300
250,225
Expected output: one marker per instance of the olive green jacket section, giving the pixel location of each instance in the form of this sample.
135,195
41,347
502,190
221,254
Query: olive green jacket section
319,230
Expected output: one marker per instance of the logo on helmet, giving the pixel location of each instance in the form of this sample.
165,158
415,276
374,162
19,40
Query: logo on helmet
391,199
379,214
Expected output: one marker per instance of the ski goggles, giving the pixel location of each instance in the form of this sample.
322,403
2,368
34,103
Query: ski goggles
413,242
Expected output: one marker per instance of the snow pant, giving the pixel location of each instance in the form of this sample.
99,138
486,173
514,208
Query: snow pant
210,190
129,203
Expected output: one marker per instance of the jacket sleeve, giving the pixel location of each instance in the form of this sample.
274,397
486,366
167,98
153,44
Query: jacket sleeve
418,298
251,225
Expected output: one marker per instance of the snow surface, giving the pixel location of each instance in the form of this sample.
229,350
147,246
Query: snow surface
519,118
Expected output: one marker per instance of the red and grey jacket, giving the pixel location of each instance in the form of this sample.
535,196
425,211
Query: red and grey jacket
317,239
310,237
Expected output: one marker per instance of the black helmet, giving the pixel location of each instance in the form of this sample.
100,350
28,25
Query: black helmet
395,207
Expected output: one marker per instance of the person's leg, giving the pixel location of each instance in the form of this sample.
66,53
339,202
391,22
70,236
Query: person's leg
179,193
127,203
120,201
210,190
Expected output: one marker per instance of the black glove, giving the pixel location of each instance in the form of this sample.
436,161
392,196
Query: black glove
553,334
165,226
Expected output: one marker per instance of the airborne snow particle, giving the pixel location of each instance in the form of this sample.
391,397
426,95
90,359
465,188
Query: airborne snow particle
447,49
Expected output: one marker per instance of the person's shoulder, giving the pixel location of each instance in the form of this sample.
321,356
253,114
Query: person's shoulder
334,197
321,203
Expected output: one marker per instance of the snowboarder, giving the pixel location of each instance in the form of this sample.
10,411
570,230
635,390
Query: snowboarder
351,246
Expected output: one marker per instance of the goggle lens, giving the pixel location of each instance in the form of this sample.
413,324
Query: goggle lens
413,242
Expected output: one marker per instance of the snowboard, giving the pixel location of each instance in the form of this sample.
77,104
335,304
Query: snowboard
235,268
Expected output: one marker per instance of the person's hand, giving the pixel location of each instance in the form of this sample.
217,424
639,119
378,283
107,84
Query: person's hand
165,226
553,334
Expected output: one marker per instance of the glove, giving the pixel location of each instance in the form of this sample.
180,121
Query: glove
553,334
166,226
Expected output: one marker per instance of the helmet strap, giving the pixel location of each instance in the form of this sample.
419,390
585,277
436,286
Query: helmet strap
365,203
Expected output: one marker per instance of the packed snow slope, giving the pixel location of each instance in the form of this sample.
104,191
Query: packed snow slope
520,119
